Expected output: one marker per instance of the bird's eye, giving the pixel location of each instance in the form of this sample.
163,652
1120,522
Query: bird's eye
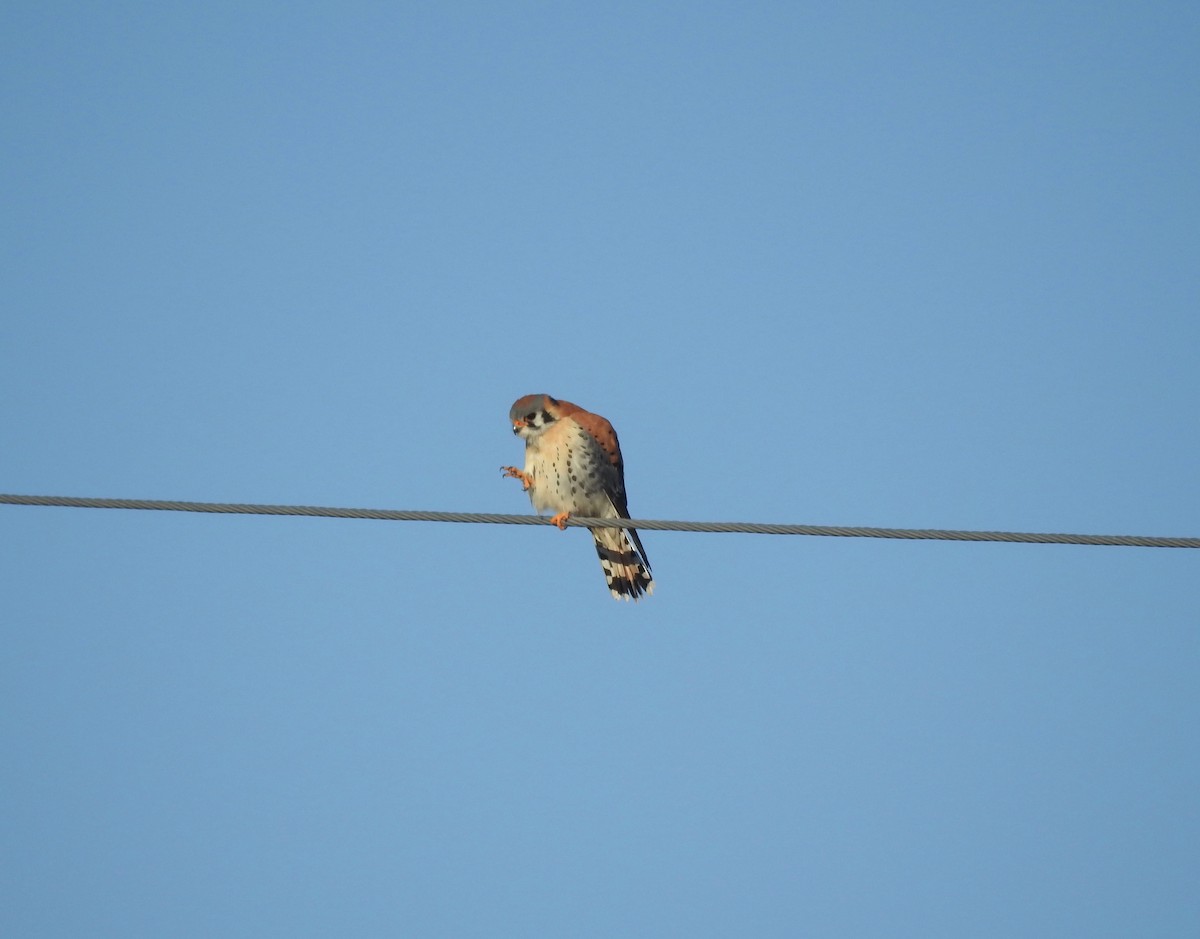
530,416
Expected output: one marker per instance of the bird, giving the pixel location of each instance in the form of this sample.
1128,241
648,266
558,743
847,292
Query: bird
573,466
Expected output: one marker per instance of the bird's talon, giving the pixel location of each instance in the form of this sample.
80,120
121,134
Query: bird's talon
511,472
560,520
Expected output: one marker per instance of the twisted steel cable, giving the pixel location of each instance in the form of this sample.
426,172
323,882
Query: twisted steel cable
753,528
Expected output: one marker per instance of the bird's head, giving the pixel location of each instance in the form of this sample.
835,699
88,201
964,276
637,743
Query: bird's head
532,414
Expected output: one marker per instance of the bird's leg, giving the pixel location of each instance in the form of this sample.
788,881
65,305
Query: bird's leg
511,472
560,520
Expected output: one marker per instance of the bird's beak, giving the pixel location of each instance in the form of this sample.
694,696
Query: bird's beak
517,425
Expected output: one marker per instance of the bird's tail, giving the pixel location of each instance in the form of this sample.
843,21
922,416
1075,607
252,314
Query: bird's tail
625,568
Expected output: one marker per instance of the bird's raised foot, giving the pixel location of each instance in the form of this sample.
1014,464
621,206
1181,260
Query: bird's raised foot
560,520
511,472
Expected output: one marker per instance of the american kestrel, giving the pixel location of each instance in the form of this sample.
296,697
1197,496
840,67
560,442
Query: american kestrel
573,466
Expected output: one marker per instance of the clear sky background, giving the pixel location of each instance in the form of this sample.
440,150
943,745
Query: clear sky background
912,265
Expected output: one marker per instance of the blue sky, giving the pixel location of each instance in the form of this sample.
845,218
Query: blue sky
921,265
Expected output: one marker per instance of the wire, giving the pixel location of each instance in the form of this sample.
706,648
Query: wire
754,528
